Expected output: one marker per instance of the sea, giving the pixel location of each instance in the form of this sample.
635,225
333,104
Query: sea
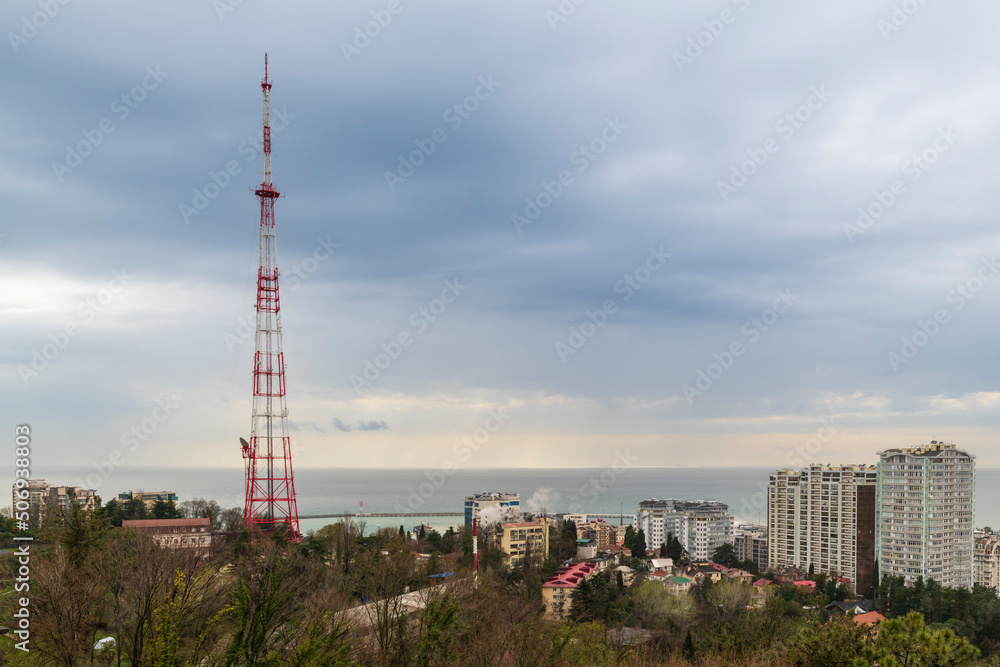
415,491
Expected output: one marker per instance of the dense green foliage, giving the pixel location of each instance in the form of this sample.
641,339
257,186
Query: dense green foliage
347,597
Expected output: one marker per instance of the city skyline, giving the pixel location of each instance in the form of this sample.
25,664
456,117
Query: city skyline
689,247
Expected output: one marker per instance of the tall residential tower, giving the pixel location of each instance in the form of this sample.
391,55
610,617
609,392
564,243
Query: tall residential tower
926,515
824,516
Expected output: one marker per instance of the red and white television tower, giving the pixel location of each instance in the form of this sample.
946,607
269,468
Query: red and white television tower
270,487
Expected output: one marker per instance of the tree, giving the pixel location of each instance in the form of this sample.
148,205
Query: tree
729,597
629,537
724,554
689,651
675,550
166,509
663,551
76,529
902,642
199,508
597,598
654,608
562,541
639,545
279,599
438,632
840,641
231,520
382,579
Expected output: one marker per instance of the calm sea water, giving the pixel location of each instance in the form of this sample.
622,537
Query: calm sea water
586,490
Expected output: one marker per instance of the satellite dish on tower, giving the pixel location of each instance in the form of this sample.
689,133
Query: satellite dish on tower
246,445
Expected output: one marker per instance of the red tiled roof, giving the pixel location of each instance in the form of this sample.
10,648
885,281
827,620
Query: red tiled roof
869,618
570,576
161,523
737,573
808,583
762,582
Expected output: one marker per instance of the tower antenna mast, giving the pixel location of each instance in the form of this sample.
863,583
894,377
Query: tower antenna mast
270,504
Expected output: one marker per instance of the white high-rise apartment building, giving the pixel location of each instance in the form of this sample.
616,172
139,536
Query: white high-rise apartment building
925,526
824,516
701,525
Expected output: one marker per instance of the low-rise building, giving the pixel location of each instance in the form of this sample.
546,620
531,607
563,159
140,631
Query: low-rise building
678,585
586,549
148,498
175,533
869,620
481,501
558,589
35,503
524,541
60,497
739,575
845,607
42,497
698,572
750,543
608,535
661,564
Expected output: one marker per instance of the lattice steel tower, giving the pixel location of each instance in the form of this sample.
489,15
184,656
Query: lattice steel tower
270,486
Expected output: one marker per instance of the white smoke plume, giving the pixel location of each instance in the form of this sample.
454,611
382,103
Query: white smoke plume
495,514
543,500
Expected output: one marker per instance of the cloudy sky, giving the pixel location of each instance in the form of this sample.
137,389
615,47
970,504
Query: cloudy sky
720,233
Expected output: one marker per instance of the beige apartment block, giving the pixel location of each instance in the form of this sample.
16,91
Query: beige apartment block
824,516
